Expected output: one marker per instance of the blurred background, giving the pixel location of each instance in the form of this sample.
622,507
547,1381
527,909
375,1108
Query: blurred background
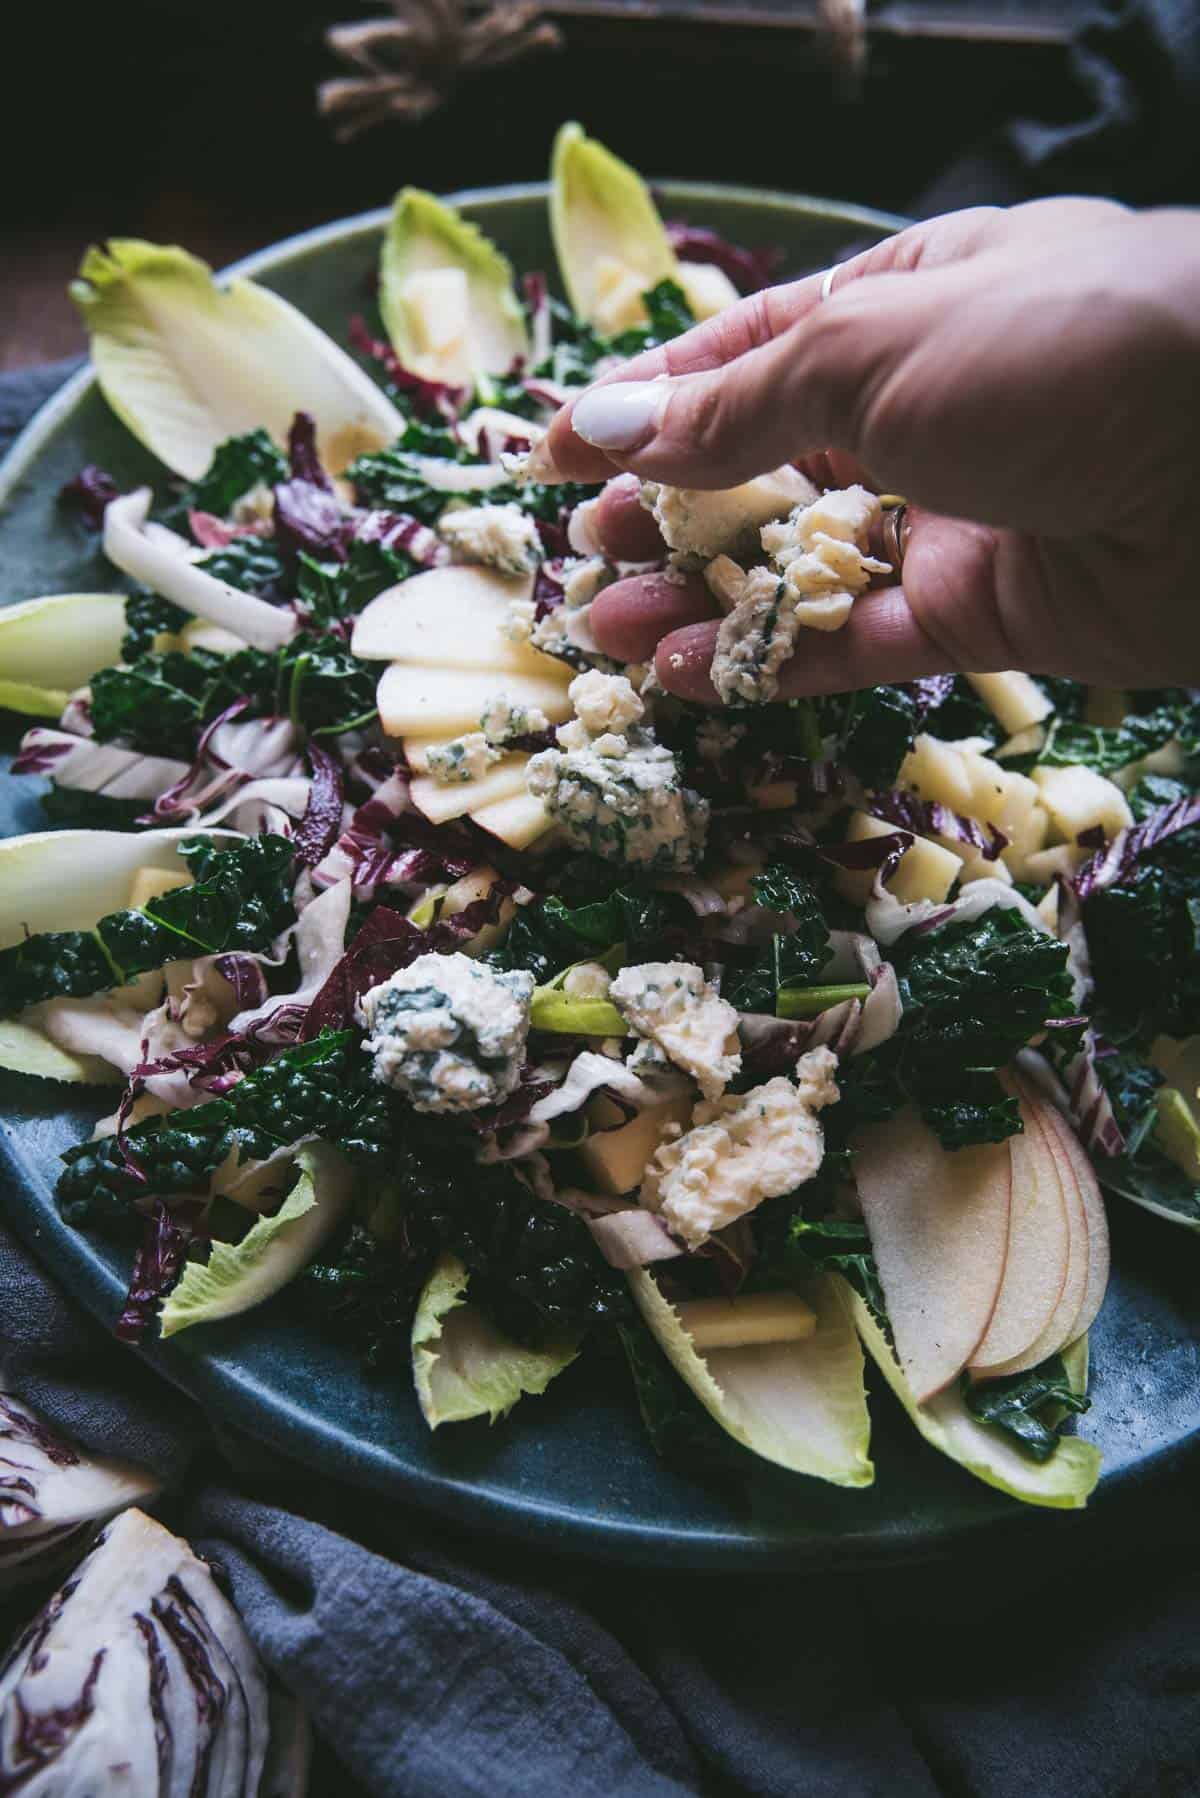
199,121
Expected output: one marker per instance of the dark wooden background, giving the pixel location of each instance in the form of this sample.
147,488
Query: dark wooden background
194,120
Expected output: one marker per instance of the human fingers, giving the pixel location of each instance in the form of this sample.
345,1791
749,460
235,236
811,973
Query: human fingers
629,618
622,527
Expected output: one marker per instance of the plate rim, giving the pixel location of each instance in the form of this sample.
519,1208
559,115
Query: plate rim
311,1438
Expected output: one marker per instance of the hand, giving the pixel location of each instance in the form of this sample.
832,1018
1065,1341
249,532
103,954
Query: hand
1027,379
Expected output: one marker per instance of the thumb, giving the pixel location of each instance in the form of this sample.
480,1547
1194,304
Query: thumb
809,388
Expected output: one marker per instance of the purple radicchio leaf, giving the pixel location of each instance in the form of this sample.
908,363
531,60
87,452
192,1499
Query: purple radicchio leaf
309,519
168,1234
399,531
89,493
317,831
749,270
303,459
1117,861
245,975
929,693
548,592
930,818
430,399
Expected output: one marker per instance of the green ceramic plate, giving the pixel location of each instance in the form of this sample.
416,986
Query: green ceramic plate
572,1469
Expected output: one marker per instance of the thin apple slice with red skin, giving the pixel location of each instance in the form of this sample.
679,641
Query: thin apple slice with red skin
1061,1329
1039,1251
1084,1175
938,1224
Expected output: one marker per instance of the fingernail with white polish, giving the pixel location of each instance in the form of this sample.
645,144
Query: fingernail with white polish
619,415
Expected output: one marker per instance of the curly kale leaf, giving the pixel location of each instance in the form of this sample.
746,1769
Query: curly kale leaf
238,464
873,731
240,899
330,591
253,564
548,936
973,994
304,1092
793,958
147,617
1026,1406
679,1429
1106,748
328,689
535,1270
1144,940
156,705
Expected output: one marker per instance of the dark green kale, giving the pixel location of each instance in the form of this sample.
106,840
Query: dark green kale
147,617
1027,1406
1132,1084
328,689
73,808
1106,748
679,1429
240,899
330,591
1151,1178
793,957
578,348
548,936
963,714
364,1293
1068,697
252,564
405,480
534,1268
304,1092
156,704
1144,939
873,731
238,464
973,994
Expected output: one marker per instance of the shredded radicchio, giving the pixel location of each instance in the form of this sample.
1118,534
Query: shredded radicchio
317,831
245,975
431,399
397,531
303,459
749,270
929,693
1091,1107
89,493
548,593
168,1234
537,303
930,818
308,518
387,942
1118,861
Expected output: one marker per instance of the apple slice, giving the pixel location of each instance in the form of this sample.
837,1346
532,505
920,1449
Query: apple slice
1066,1144
1039,1251
938,1224
439,803
417,701
1062,1327
452,617
518,821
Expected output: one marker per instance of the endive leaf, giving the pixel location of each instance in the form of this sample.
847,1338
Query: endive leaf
48,647
186,364
462,1366
610,242
25,1049
1064,1482
799,1404
238,1276
446,294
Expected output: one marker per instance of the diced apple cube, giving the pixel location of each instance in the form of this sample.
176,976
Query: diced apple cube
936,772
1014,699
926,871
616,1160
976,866
1045,865
1079,799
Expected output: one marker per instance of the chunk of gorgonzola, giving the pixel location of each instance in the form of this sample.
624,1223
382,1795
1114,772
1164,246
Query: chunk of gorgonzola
670,1005
448,1032
502,537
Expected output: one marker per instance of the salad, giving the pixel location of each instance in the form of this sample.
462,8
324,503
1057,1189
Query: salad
508,1009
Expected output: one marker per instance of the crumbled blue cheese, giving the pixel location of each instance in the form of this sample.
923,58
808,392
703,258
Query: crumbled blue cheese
698,525
501,536
519,619
462,759
817,566
587,980
620,796
670,1004
604,702
741,1148
502,721
448,1032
